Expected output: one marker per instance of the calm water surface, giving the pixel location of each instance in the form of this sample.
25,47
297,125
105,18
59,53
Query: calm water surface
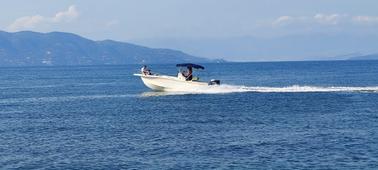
285,115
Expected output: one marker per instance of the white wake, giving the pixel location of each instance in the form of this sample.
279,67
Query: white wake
260,89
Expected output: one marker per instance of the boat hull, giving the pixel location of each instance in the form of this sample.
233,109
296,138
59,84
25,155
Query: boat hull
170,83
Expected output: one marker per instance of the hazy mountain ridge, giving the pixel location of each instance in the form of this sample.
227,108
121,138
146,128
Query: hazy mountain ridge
289,47
28,48
365,57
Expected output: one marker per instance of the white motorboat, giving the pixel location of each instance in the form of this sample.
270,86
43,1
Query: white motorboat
180,83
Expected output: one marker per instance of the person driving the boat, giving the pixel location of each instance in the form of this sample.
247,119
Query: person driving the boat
189,75
145,70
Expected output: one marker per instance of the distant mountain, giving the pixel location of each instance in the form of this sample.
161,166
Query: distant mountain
365,57
312,46
57,48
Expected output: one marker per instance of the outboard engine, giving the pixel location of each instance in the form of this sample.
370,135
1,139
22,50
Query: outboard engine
214,82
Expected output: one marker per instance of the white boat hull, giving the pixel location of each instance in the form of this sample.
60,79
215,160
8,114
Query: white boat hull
170,83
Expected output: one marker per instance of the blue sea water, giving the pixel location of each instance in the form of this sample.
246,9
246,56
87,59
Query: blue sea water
272,115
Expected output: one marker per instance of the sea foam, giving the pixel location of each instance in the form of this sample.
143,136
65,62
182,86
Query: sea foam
222,89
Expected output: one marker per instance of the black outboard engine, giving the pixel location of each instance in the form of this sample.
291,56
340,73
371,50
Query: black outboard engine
214,82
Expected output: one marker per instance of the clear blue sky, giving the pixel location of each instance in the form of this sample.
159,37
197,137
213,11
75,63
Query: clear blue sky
129,20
